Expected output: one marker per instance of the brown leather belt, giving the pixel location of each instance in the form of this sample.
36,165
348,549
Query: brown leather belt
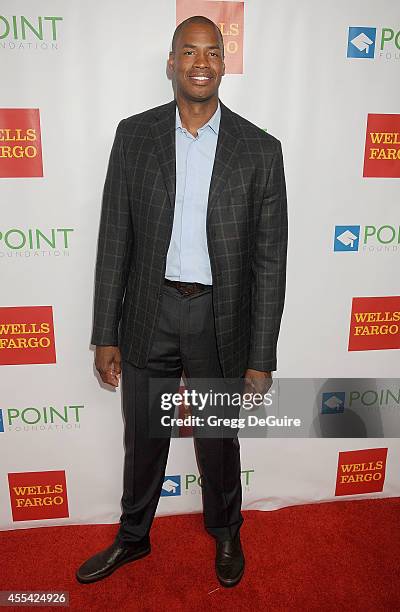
186,288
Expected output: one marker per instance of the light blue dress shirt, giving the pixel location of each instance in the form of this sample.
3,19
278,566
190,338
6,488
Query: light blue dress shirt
187,257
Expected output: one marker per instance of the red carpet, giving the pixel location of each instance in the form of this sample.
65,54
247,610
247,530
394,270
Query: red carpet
333,556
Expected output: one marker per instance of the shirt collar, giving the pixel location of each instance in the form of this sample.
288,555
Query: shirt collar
213,122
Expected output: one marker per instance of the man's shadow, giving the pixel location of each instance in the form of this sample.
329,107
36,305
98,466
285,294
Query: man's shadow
346,408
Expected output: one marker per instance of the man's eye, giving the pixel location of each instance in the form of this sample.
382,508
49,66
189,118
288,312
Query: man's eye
187,52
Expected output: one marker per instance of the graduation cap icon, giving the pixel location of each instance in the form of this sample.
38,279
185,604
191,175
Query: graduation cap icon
170,486
362,42
347,238
333,403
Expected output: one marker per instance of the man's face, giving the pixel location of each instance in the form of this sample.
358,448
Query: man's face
197,65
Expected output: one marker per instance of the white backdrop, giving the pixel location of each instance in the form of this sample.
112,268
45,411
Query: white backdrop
299,84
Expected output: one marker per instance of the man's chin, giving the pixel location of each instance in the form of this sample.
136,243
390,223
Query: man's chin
198,96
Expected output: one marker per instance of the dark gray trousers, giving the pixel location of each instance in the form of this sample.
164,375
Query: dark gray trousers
184,340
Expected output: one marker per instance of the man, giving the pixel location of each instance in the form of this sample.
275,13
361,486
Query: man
190,277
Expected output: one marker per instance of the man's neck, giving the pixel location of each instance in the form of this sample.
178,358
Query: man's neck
195,114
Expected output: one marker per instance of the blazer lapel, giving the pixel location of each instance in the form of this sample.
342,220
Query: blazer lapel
226,156
163,131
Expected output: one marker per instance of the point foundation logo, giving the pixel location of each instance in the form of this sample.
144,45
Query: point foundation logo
20,143
27,335
38,495
22,243
46,418
229,17
375,323
361,471
190,484
382,147
20,33
367,238
365,42
362,399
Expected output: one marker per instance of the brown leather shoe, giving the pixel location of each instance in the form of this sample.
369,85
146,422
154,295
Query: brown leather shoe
229,562
107,561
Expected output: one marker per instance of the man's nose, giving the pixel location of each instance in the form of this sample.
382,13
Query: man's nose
201,59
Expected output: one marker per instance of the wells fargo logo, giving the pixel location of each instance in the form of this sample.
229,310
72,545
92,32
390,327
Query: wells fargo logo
38,495
20,143
382,146
26,335
229,17
375,323
361,471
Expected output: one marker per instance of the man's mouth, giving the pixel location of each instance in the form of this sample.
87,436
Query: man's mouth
200,78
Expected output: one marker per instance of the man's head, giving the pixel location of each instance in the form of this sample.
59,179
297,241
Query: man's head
196,62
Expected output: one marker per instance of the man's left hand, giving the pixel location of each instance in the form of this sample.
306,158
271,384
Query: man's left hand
257,381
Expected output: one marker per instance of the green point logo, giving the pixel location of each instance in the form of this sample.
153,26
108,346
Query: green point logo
380,239
20,28
25,243
384,234
47,417
375,398
389,46
191,480
35,239
389,35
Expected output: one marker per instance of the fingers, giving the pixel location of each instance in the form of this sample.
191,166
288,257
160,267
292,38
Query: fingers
257,385
108,365
109,377
248,387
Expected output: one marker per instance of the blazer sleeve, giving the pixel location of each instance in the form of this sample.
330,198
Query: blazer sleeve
269,269
114,248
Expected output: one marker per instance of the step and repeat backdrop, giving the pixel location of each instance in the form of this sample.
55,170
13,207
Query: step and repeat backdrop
323,77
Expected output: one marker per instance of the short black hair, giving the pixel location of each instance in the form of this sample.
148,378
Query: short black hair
197,19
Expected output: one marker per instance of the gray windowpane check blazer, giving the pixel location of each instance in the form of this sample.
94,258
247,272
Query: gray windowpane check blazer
246,234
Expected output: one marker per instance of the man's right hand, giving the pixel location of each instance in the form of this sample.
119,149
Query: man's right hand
108,364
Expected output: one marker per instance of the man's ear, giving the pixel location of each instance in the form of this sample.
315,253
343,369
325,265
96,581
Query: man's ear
170,65
171,60
223,68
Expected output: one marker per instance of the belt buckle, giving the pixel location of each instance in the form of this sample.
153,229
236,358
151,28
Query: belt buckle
190,289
